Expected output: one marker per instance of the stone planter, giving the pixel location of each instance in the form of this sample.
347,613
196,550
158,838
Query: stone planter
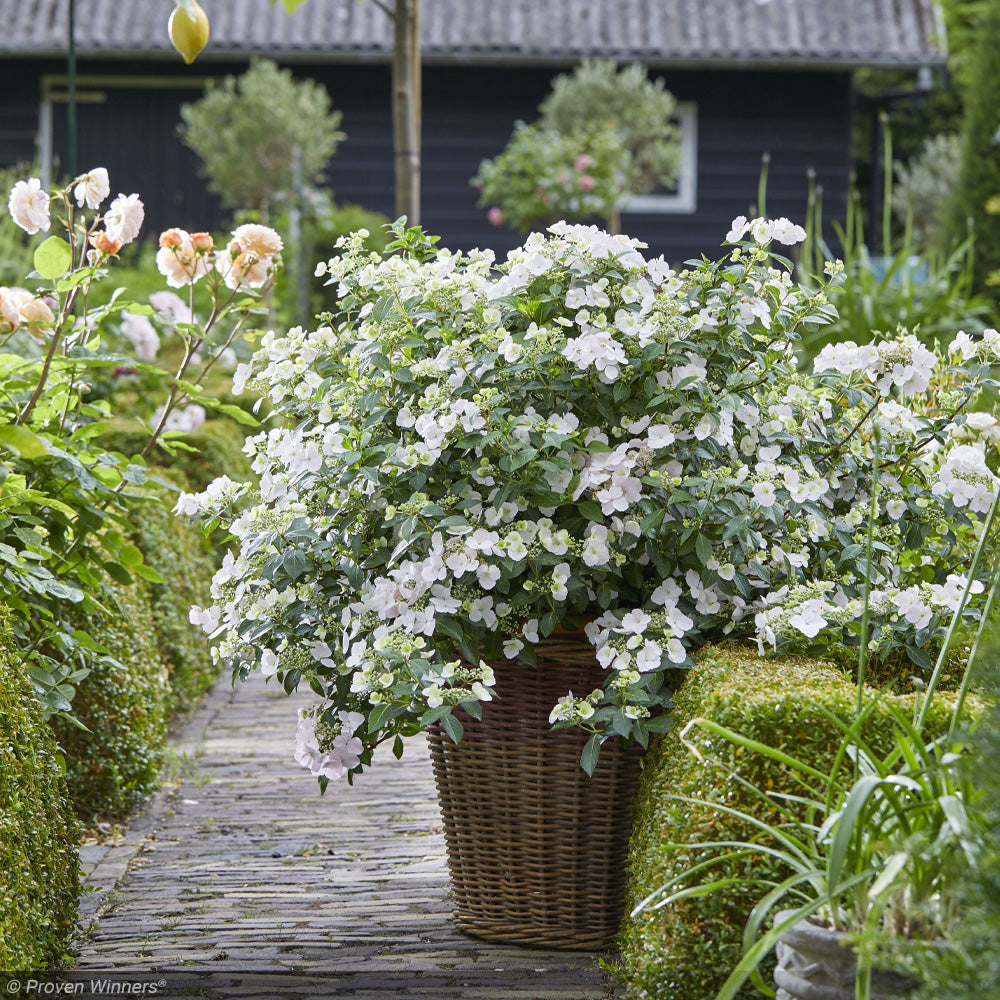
816,963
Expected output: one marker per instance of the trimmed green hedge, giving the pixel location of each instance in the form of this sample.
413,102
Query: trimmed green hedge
687,950
115,765
39,868
184,557
219,445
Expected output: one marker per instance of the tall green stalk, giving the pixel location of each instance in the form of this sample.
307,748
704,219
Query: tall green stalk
869,545
921,716
886,184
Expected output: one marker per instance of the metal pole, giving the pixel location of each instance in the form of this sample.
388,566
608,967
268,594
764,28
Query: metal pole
71,92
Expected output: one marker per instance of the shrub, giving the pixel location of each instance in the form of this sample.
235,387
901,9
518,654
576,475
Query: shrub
217,444
123,704
39,869
544,175
686,950
287,124
979,176
924,185
599,94
183,556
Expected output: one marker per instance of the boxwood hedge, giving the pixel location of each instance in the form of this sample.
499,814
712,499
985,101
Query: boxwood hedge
186,560
114,765
217,444
39,868
686,951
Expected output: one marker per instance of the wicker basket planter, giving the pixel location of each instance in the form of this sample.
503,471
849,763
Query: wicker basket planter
536,848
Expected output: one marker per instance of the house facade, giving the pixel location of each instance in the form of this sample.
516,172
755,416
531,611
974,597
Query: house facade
752,77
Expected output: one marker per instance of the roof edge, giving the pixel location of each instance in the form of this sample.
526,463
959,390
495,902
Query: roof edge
479,58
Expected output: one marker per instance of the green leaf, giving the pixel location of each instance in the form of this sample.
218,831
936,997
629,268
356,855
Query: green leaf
295,563
237,413
130,556
77,277
41,677
147,573
25,442
919,656
381,714
53,258
118,573
452,727
704,548
591,753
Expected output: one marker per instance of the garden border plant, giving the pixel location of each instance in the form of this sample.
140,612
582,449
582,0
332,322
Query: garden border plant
873,855
800,705
64,523
39,868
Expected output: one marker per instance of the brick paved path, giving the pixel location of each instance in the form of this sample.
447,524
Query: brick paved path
244,879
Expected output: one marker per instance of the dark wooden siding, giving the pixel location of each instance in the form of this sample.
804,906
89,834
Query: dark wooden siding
18,119
801,119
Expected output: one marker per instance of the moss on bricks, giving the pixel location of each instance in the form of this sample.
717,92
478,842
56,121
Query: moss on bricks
39,869
686,951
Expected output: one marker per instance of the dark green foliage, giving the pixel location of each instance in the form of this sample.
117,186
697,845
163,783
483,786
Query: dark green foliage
686,950
970,968
219,445
39,869
218,448
979,176
123,704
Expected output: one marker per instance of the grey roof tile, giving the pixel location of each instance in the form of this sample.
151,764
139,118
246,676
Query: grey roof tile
679,32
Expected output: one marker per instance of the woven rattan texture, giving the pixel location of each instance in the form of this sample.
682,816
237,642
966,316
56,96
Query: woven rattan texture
536,848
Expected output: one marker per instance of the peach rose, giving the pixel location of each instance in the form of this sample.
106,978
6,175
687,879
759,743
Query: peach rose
261,241
101,241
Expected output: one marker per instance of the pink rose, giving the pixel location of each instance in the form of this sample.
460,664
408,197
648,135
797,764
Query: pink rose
123,219
581,163
92,188
495,216
239,265
586,182
29,205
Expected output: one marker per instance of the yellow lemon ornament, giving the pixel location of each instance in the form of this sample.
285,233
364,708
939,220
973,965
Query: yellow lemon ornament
188,35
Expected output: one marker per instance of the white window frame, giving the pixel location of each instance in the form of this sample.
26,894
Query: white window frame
683,201
91,90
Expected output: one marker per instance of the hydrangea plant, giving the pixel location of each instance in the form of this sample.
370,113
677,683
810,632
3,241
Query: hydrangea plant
468,455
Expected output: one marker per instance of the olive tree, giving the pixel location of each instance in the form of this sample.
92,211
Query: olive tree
284,127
